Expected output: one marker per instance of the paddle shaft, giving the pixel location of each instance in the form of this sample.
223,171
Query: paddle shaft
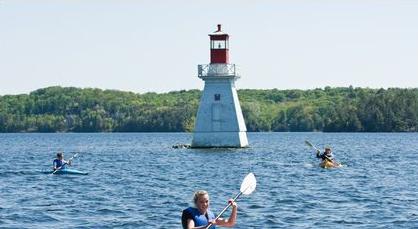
223,211
71,158
311,145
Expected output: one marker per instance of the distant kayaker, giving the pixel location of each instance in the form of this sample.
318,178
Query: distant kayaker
59,162
327,158
200,215
326,155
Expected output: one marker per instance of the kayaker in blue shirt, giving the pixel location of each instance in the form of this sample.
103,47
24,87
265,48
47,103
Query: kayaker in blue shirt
59,162
200,215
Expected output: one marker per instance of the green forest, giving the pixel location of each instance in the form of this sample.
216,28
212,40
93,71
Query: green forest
341,109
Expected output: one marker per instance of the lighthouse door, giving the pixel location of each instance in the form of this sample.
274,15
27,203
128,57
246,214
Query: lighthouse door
216,117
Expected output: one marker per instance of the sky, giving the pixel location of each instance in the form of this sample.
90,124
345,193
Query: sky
155,46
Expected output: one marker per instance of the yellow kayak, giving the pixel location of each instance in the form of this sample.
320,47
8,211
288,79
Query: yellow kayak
329,164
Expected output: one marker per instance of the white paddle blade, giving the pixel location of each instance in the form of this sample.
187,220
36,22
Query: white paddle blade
248,184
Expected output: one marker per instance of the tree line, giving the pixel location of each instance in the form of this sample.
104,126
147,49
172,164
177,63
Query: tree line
341,109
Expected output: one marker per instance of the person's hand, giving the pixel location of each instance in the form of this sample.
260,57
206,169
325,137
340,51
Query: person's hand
212,221
233,203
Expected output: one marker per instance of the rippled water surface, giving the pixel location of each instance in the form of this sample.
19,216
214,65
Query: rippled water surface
139,181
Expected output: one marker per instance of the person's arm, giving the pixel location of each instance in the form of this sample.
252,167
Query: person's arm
230,222
330,158
190,225
318,154
54,165
187,221
64,162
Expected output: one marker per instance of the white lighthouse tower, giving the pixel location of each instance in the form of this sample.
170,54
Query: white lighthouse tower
219,121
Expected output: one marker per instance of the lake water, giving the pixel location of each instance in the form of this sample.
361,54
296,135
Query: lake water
138,181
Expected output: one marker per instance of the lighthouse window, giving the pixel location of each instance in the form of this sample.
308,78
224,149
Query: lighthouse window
219,44
217,97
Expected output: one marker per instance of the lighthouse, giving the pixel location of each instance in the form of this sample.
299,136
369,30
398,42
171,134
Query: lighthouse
219,120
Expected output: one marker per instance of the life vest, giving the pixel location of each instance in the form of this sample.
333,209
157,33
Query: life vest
199,219
59,163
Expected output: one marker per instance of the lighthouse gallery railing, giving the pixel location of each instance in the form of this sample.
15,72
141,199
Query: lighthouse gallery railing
217,70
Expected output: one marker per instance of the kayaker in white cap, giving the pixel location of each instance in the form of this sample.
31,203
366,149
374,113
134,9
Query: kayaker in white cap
326,155
327,158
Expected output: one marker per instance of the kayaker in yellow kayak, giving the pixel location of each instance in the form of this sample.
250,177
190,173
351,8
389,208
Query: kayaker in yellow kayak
327,158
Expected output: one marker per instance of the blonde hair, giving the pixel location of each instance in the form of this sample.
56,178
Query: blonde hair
199,193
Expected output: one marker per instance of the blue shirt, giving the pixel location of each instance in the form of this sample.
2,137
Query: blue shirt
58,163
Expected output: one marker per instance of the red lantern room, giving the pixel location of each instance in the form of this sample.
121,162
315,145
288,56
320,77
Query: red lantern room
219,47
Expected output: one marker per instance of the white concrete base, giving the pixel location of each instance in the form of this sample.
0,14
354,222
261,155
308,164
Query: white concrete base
219,140
219,119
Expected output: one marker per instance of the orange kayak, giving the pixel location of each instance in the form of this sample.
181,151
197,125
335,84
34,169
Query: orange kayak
329,164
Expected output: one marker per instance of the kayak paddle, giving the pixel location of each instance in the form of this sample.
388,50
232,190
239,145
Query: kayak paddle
71,158
312,146
247,187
